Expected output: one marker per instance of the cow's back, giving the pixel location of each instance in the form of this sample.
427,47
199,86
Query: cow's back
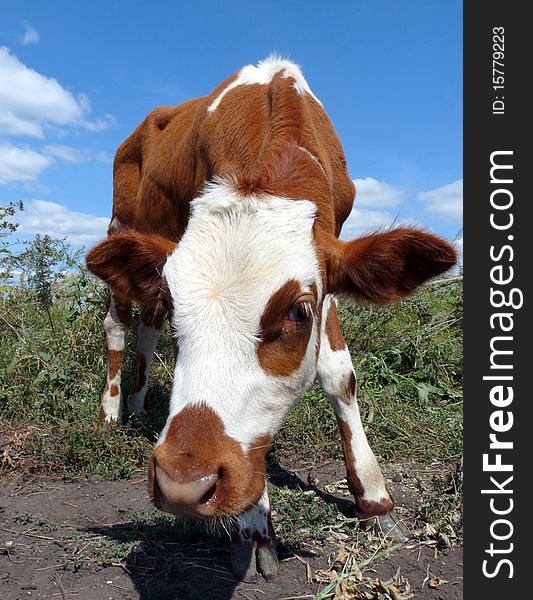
266,136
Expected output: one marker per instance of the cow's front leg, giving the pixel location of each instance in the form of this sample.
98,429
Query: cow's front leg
148,334
116,324
253,547
337,378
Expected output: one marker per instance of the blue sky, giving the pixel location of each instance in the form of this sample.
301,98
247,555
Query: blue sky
77,78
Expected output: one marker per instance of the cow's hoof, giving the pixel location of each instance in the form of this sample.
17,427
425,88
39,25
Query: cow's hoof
390,526
267,562
247,561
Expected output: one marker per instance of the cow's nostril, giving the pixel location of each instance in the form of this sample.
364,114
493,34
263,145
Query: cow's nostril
187,493
217,478
209,494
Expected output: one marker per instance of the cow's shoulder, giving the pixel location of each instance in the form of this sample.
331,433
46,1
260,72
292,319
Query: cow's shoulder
154,173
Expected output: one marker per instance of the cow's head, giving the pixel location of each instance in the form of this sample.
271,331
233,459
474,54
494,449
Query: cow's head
245,287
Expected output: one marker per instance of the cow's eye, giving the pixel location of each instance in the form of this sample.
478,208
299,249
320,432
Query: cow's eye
299,312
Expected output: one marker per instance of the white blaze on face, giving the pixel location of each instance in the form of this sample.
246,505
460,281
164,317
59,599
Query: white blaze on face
235,254
263,74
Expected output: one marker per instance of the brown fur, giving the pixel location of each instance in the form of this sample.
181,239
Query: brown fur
123,309
261,136
131,264
333,330
384,267
114,358
283,345
253,135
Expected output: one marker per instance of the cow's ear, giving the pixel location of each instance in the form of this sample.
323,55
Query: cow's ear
131,263
383,267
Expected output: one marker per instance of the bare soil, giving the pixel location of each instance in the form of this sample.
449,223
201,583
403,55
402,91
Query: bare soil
45,546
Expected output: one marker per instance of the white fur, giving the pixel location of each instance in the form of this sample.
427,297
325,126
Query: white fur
263,74
112,405
116,334
235,254
334,369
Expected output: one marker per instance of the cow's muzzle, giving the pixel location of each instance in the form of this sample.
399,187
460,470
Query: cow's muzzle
199,472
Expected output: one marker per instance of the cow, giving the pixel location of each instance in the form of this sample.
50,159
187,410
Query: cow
227,211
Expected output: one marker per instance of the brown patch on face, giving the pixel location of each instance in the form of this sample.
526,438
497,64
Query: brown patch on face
114,358
365,508
140,374
115,390
281,350
102,415
197,446
333,330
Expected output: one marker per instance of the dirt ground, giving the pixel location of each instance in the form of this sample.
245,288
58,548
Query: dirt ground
45,539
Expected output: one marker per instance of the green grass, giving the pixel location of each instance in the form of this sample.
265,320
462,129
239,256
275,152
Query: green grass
408,359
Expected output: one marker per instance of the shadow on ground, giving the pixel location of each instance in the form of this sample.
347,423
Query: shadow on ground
187,560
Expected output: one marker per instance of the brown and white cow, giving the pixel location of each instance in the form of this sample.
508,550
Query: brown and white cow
226,216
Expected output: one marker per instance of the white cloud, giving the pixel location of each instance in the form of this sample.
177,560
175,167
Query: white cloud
100,124
31,36
67,153
42,216
446,201
371,193
32,98
36,187
371,197
362,220
20,164
30,102
11,124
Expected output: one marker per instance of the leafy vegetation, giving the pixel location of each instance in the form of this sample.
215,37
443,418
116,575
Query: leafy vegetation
408,360
7,226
